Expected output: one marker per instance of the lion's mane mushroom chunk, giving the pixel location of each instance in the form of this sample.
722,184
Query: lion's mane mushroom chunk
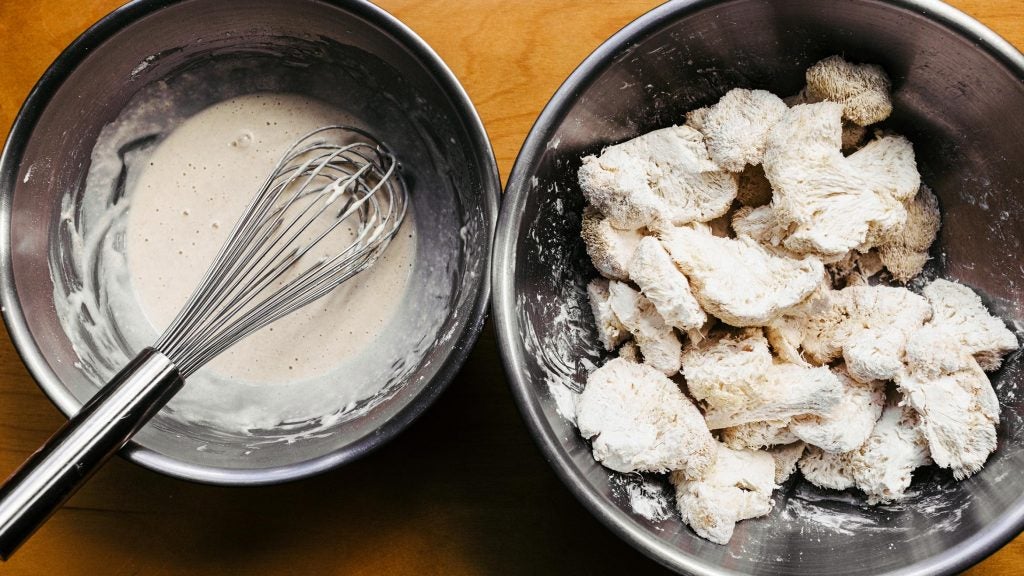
738,280
849,423
609,248
610,331
788,390
657,340
862,89
727,369
958,411
735,128
738,486
665,286
639,420
664,175
736,379
866,325
881,467
960,313
828,203
904,251
945,382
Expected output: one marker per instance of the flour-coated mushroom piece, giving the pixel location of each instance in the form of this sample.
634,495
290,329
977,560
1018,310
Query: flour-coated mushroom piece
737,487
958,408
873,353
889,165
883,466
830,204
664,175
610,331
849,423
609,248
852,324
787,390
763,225
728,369
639,420
904,251
735,127
822,204
933,350
945,383
657,340
757,435
960,312
862,89
736,279
882,318
665,286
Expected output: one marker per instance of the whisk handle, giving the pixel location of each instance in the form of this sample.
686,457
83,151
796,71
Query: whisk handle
103,426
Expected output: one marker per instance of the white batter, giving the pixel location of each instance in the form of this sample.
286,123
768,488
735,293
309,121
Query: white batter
184,204
196,184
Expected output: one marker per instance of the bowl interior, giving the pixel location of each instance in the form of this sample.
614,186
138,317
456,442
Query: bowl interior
193,54
959,103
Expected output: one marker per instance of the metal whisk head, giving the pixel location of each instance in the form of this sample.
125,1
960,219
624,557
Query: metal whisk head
332,179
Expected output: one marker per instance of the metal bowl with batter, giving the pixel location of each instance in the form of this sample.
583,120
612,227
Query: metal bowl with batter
192,54
959,97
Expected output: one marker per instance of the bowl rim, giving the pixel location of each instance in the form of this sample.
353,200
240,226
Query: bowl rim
27,348
950,561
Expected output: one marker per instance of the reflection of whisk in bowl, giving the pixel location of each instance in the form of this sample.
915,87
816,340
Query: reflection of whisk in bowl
327,212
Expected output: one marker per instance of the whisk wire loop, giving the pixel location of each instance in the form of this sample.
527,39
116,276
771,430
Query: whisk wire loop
333,181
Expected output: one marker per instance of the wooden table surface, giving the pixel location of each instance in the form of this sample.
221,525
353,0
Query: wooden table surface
464,490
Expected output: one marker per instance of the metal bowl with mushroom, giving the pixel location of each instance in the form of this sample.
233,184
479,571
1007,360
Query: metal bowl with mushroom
957,93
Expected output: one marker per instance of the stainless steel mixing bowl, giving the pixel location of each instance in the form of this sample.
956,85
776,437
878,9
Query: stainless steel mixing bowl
959,95
347,53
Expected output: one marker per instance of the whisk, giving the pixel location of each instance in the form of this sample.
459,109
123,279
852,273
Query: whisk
334,181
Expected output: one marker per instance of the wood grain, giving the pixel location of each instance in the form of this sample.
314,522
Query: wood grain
464,491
